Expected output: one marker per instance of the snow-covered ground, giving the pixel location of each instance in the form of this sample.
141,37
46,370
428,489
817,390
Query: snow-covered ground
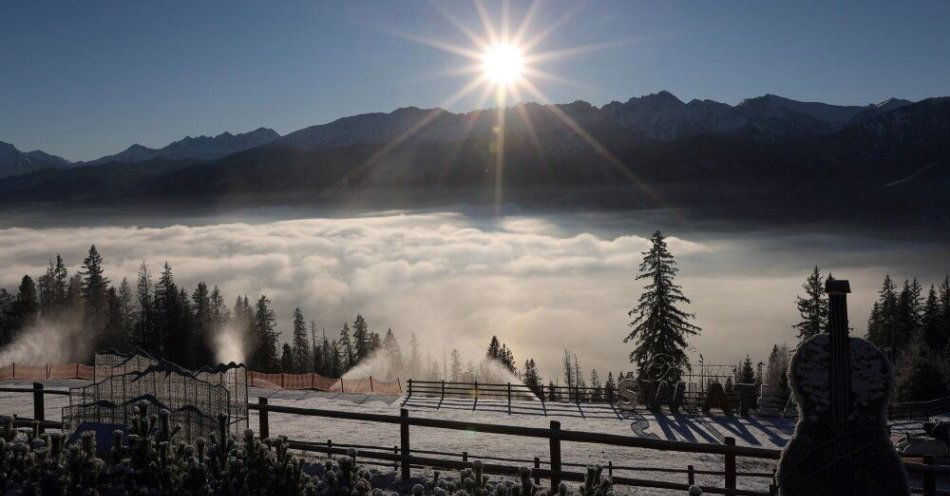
751,431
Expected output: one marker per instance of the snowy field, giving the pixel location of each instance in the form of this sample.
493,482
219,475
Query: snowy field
753,431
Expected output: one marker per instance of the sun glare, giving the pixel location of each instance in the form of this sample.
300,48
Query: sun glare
503,64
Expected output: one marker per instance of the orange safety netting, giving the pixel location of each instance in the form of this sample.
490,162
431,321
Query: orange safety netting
49,371
320,383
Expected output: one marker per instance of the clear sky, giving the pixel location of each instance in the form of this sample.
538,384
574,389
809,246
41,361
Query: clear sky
84,79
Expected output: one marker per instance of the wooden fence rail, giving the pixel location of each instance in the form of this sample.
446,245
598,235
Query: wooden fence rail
403,456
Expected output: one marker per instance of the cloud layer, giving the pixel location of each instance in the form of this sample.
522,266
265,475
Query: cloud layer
455,280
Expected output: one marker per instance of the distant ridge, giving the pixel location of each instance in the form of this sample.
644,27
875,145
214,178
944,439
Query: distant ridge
199,148
15,162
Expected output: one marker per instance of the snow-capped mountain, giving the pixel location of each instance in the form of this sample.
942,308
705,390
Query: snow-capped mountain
655,118
14,162
200,148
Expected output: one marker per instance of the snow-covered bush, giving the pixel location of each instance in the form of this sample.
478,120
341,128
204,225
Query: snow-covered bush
147,461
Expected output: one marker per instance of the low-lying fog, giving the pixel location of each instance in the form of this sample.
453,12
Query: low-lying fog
541,283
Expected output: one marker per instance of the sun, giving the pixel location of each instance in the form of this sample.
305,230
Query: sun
503,64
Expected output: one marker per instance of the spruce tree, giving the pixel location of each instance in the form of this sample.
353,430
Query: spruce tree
813,307
597,391
931,328
26,305
531,378
265,356
610,387
94,291
345,345
659,328
393,354
747,373
145,337
361,339
7,329
126,302
301,348
883,320
494,347
944,303
287,359
456,371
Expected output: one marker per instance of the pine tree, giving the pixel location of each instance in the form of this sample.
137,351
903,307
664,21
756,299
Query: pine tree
931,328
944,302
908,314
531,378
552,391
219,312
660,328
26,305
393,354
301,348
265,357
74,301
52,288
7,329
747,373
286,359
345,345
494,347
881,325
813,308
316,352
569,374
145,337
126,302
94,292
361,339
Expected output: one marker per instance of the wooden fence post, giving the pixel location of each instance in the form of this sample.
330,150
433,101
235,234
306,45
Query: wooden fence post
690,475
404,441
730,468
281,380
475,404
537,466
930,480
395,458
263,425
555,439
39,411
329,448
509,398
371,384
465,457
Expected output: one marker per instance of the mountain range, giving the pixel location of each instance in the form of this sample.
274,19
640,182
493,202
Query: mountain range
767,155
14,162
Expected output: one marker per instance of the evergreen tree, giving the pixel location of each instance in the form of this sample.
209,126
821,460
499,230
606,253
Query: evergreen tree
375,343
393,354
944,302
265,357
331,357
301,347
777,372
7,329
918,374
361,339
908,315
145,337
881,325
813,307
26,305
336,360
932,331
494,347
126,302
415,356
660,328
747,373
115,321
287,359
203,324
52,288
345,345
316,352
74,300
532,379
552,391
95,289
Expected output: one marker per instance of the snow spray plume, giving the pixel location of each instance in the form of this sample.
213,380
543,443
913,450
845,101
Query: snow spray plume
48,341
230,343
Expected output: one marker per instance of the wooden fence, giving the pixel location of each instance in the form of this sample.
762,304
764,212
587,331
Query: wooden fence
402,456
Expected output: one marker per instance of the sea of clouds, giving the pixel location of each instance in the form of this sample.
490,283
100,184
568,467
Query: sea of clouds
454,280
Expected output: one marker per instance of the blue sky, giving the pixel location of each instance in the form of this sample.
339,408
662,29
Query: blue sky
84,79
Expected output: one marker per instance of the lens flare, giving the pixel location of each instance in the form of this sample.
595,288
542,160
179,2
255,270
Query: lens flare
503,64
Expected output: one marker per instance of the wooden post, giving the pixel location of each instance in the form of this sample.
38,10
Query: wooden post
395,458
281,380
690,475
465,457
263,425
610,468
509,398
404,441
930,481
39,411
330,447
342,389
555,439
537,466
371,384
77,371
730,468
475,404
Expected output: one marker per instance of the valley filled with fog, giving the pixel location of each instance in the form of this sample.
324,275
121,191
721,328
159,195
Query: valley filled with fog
541,282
